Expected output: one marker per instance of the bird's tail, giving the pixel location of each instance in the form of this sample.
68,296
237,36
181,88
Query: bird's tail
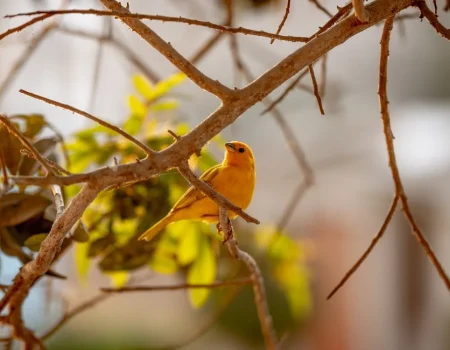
155,229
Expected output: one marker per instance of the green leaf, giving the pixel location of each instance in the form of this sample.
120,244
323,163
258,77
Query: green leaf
143,86
10,147
119,278
164,106
202,271
188,246
134,123
136,106
34,242
164,86
82,261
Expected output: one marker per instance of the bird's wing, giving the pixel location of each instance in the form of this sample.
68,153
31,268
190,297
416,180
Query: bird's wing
193,194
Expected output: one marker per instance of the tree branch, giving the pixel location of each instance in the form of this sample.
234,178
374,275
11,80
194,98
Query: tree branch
369,249
27,144
204,82
286,14
265,318
237,282
219,27
138,143
316,89
399,190
432,18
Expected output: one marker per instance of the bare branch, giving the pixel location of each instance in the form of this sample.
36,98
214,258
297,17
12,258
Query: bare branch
48,161
432,18
399,190
138,143
286,92
12,129
316,89
321,7
120,14
447,5
360,12
265,318
237,282
286,14
342,12
186,172
369,249
25,25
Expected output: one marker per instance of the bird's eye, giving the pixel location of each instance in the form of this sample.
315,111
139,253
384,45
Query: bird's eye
241,150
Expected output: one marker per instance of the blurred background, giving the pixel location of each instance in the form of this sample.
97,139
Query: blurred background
396,300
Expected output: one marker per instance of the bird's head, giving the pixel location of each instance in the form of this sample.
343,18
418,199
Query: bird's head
238,153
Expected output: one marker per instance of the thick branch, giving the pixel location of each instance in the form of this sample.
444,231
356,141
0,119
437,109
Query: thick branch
204,82
399,190
262,307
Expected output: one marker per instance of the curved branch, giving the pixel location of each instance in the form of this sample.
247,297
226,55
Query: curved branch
432,18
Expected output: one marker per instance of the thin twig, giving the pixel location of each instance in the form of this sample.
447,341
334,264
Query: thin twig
138,143
432,18
323,76
50,163
369,249
187,173
321,7
296,197
316,89
36,155
399,190
237,282
286,14
286,92
360,11
447,5
25,25
262,307
115,13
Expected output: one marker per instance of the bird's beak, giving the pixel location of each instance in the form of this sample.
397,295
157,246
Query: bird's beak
230,146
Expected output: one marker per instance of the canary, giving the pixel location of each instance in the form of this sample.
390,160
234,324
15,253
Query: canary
234,178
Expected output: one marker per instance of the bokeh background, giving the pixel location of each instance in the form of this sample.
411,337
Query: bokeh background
396,299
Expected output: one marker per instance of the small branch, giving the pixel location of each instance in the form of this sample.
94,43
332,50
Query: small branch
123,15
283,95
30,148
399,190
48,161
432,18
265,318
187,173
59,200
138,143
69,315
447,5
369,249
321,7
297,195
323,76
316,89
342,12
286,14
237,282
25,25
360,11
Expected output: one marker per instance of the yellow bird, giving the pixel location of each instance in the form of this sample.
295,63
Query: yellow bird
234,178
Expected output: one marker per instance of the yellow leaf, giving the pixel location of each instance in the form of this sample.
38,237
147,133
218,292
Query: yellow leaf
164,106
163,87
189,244
202,271
143,86
136,105
162,263
119,278
82,261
